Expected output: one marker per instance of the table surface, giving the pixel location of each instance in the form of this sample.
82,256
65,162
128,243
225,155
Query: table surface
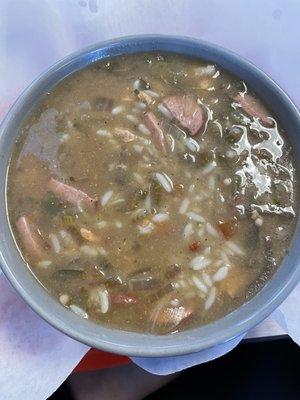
53,29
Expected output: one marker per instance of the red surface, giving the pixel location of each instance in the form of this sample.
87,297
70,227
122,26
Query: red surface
96,359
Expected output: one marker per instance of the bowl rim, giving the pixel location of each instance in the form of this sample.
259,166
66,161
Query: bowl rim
117,341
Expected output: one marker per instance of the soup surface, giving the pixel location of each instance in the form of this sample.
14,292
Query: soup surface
152,193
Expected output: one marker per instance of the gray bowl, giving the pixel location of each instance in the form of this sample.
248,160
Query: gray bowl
135,344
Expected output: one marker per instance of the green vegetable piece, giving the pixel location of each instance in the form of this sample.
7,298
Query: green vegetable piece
70,273
68,220
52,205
155,192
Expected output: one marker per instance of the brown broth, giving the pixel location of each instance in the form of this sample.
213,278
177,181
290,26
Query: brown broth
176,240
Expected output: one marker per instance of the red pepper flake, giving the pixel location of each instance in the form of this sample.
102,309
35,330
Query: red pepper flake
195,246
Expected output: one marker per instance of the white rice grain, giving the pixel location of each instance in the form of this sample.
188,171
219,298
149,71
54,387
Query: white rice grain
118,224
201,232
235,249
136,110
227,181
64,299
207,251
210,298
117,110
66,237
132,118
164,111
138,148
184,206
220,274
138,178
160,217
102,251
211,182
225,258
209,168
55,243
191,144
89,250
199,284
212,231
206,279
104,302
143,129
259,221
151,93
165,182
148,203
192,188
106,197
219,263
140,105
188,230
199,262
103,132
182,283
207,70
44,264
65,137
195,217
146,142
79,311
101,224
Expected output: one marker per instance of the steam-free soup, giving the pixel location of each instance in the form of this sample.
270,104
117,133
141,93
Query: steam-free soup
152,192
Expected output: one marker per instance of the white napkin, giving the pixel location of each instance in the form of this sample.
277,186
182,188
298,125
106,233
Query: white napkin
35,358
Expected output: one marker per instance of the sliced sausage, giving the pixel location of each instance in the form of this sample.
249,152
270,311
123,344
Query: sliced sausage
158,137
29,237
253,107
187,112
71,195
124,134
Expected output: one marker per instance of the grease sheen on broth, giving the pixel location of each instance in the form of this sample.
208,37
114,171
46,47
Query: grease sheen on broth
152,192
